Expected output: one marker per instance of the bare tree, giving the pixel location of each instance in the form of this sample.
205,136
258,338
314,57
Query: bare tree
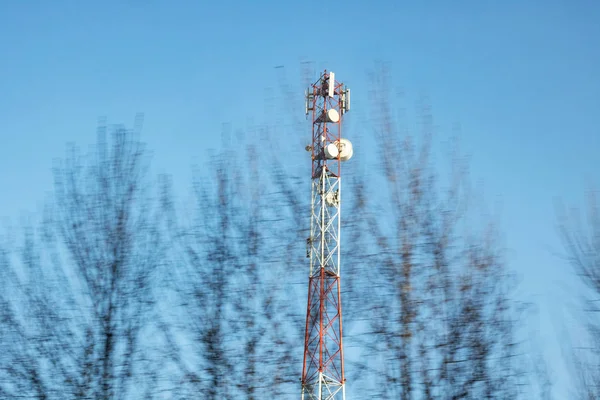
104,218
266,366
209,264
77,306
581,240
235,321
442,324
38,356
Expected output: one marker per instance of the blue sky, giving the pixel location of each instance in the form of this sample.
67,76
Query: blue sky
522,78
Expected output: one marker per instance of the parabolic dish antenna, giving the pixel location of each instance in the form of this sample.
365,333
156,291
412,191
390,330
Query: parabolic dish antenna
330,115
345,149
331,151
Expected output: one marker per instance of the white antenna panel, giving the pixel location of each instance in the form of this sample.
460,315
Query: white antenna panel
306,101
331,86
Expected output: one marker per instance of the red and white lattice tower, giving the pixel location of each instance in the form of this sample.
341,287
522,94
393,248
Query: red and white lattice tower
323,369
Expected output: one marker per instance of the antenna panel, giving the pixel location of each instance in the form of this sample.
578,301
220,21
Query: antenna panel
306,101
331,85
347,100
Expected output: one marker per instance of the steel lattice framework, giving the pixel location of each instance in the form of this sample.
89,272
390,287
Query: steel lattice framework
323,369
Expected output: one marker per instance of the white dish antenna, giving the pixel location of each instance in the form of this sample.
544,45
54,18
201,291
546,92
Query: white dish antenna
330,115
345,149
340,148
331,151
333,198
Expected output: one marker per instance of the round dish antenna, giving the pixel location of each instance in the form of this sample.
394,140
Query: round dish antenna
331,151
345,149
331,115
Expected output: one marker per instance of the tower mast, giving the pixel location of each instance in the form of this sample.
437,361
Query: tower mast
323,368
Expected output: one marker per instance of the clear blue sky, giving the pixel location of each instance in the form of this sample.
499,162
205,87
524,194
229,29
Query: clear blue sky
521,77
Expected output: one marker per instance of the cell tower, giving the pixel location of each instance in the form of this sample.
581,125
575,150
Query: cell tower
323,369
